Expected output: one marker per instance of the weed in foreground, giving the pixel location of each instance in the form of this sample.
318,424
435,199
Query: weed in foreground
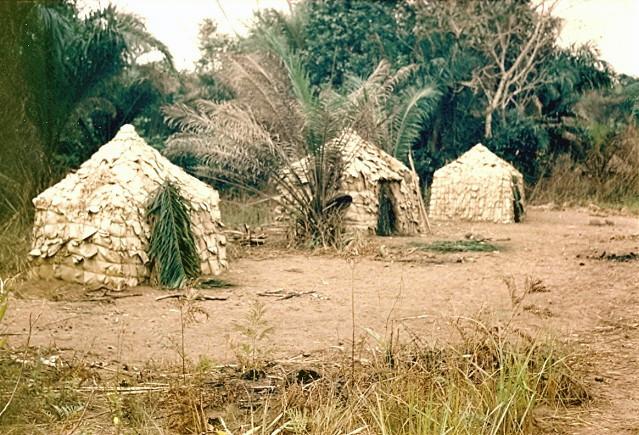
491,380
45,396
249,350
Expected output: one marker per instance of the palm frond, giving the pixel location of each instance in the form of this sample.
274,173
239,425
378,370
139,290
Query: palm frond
419,105
402,74
261,83
298,76
224,136
137,37
172,249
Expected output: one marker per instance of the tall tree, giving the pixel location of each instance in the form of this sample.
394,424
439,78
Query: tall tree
512,37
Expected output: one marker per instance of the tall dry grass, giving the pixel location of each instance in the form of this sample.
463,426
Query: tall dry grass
491,380
238,210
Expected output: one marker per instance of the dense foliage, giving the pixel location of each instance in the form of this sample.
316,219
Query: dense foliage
468,71
277,127
499,74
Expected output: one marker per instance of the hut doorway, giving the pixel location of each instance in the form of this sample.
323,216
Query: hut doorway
518,207
386,218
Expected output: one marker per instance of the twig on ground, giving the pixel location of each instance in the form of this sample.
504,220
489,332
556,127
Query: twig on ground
53,322
282,294
126,390
196,297
106,296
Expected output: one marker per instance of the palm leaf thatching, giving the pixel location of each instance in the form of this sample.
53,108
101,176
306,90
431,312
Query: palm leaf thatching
172,250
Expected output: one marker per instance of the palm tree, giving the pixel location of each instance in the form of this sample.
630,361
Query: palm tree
280,129
54,66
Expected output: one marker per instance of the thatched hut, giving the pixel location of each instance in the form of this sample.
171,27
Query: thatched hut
384,195
478,186
91,228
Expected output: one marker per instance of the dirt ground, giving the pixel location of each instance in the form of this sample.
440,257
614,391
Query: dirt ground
591,303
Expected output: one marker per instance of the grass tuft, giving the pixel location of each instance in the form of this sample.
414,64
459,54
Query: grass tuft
456,246
210,283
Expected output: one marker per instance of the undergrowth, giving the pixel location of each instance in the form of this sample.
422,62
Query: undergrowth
15,243
244,211
608,174
4,302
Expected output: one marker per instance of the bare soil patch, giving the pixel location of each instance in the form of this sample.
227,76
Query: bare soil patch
587,302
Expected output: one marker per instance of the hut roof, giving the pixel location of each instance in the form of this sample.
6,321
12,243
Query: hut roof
478,186
121,175
361,157
477,160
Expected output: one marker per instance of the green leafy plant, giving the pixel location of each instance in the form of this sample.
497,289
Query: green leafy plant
282,131
172,249
254,331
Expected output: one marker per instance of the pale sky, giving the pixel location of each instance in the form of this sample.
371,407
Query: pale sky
612,25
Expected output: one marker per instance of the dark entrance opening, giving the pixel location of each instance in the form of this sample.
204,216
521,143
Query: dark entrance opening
386,219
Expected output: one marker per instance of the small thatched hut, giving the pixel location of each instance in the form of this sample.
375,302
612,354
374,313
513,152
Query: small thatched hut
91,227
382,191
478,186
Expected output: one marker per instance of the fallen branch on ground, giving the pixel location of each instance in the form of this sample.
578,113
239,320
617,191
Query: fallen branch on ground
246,237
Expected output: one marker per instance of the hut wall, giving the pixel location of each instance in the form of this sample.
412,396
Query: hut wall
362,215
481,196
93,250
407,202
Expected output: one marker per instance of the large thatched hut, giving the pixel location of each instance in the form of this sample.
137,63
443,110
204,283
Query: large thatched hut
91,228
383,193
478,186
